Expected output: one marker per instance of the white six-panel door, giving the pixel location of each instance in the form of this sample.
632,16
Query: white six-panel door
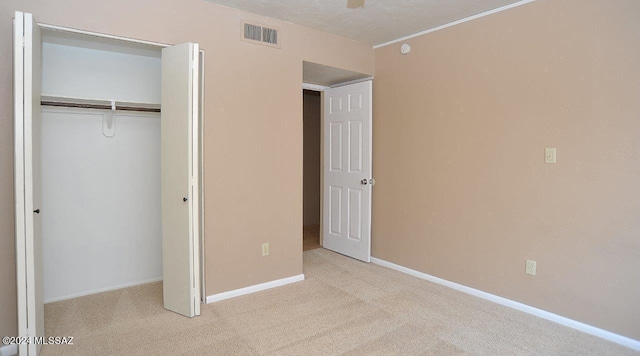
27,85
179,185
346,221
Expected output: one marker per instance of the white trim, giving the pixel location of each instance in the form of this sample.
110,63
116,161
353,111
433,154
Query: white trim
482,14
254,288
19,178
9,350
194,166
314,87
353,82
592,330
101,290
201,173
96,34
35,315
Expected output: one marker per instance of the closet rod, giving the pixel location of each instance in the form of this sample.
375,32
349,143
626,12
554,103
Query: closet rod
97,106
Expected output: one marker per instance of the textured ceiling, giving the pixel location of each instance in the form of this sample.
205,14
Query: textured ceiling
379,21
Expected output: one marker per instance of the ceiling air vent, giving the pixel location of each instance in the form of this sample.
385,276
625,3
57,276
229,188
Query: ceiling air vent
260,34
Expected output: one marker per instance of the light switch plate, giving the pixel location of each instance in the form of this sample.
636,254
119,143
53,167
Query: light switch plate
550,155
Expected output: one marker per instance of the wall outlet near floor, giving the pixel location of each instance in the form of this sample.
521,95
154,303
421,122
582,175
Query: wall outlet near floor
530,268
550,155
265,249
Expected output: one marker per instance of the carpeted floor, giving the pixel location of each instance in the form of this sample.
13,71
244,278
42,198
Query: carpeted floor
343,307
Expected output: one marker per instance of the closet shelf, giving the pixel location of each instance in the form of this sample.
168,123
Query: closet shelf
101,104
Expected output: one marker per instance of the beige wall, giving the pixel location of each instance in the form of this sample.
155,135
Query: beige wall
459,133
460,127
312,122
253,128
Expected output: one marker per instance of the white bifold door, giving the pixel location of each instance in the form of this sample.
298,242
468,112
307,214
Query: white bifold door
346,218
179,171
180,186
27,119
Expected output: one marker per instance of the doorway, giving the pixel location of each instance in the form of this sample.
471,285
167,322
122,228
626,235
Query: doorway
312,126
343,100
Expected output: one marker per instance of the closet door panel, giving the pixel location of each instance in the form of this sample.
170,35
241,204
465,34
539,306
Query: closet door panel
27,87
180,255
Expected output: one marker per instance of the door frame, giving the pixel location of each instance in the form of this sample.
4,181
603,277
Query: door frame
321,89
19,164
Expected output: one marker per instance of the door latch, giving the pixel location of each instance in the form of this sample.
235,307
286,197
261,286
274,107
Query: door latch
368,181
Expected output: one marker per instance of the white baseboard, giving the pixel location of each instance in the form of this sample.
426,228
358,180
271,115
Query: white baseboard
9,350
607,335
94,291
255,288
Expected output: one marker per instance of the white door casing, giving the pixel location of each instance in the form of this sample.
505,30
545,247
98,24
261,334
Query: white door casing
346,218
27,120
180,175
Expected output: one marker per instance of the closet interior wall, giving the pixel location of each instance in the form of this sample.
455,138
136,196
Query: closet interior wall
101,223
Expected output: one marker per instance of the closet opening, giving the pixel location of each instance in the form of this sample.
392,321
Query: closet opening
100,165
108,170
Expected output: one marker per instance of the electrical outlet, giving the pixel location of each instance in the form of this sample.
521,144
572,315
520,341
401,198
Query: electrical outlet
265,249
530,268
550,155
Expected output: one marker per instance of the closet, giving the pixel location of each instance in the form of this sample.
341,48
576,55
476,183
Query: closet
100,167
107,168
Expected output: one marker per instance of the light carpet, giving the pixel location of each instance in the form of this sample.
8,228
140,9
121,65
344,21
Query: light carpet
343,307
